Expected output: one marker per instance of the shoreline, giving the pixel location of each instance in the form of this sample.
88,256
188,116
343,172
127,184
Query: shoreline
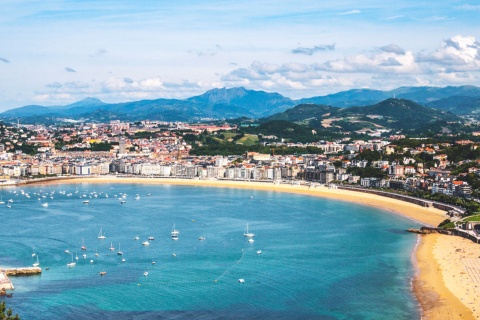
430,285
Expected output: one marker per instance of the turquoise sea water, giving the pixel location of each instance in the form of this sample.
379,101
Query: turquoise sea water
320,259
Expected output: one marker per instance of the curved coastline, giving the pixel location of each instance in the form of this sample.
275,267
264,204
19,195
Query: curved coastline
430,286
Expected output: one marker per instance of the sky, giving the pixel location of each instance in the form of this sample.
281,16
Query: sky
57,52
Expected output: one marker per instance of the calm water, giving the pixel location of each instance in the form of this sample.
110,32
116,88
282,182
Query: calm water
320,259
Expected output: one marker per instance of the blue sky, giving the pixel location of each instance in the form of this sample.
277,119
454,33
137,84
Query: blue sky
56,52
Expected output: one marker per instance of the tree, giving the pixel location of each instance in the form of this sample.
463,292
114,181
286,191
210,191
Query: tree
7,314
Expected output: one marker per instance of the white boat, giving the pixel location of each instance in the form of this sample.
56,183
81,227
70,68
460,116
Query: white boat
101,235
145,274
83,247
45,204
1,200
151,238
145,243
84,256
71,264
33,251
136,238
241,280
174,233
86,201
76,256
248,234
137,197
36,264
119,252
251,240
259,251
201,238
111,247
67,251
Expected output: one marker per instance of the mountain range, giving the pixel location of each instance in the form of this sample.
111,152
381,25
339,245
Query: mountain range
239,102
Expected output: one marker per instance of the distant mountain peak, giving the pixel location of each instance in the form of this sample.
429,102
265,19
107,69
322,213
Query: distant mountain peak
89,101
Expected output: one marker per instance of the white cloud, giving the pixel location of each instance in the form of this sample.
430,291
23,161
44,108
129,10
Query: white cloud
350,12
469,7
381,62
455,54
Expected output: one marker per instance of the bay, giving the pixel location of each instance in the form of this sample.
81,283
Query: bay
320,258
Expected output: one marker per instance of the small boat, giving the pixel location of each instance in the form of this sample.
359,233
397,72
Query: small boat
83,247
248,234
102,273
123,259
145,243
101,236
174,255
45,204
33,251
259,251
67,251
91,261
119,252
111,247
145,274
76,256
137,197
9,206
86,201
136,238
241,280
71,264
201,238
1,200
84,256
151,238
36,264
154,263
251,240
174,233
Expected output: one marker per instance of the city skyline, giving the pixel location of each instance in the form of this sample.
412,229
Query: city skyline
60,52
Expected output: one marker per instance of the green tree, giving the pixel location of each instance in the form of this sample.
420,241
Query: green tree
7,314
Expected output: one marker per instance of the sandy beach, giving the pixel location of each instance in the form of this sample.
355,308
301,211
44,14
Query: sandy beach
447,283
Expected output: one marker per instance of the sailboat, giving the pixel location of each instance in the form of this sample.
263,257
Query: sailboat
174,233
111,247
119,252
33,251
248,234
83,247
1,200
36,264
71,264
101,235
